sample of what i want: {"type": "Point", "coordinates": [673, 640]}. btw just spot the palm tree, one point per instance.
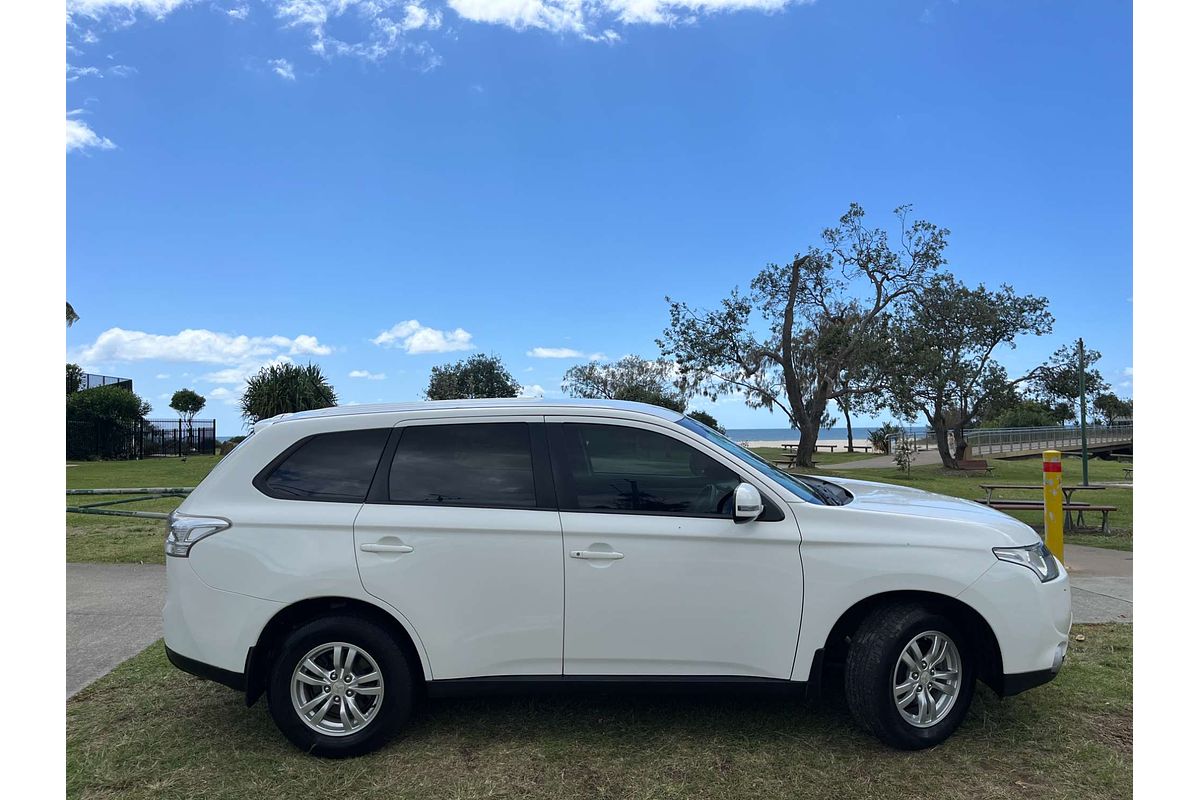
{"type": "Point", "coordinates": [72, 317]}
{"type": "Point", "coordinates": [284, 389]}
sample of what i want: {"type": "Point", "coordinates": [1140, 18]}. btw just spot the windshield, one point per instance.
{"type": "Point", "coordinates": [810, 490]}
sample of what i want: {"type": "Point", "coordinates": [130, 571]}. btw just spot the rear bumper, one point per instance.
{"type": "Point", "coordinates": [234, 680]}
{"type": "Point", "coordinates": [1023, 681]}
{"type": "Point", "coordinates": [210, 626]}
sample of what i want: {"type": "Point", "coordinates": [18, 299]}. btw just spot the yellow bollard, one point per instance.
{"type": "Point", "coordinates": [1052, 517]}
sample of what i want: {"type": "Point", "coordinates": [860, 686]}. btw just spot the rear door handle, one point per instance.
{"type": "Point", "coordinates": [385, 548]}
{"type": "Point", "coordinates": [597, 555]}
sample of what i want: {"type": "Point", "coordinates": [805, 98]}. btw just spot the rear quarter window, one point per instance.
{"type": "Point", "coordinates": [328, 467]}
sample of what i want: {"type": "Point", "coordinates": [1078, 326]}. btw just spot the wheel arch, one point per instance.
{"type": "Point", "coordinates": [983, 641]}
{"type": "Point", "coordinates": [288, 619]}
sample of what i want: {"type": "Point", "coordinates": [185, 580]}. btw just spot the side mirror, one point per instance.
{"type": "Point", "coordinates": [747, 503]}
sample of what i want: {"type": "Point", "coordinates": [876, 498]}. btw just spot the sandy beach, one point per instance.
{"type": "Point", "coordinates": [823, 445]}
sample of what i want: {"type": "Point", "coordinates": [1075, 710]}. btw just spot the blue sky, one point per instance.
{"type": "Point", "coordinates": [402, 184]}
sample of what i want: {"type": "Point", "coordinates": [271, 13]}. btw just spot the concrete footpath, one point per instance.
{"type": "Point", "coordinates": [1101, 583]}
{"type": "Point", "coordinates": [113, 612]}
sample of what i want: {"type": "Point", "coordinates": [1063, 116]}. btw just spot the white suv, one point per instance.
{"type": "Point", "coordinates": [349, 560]}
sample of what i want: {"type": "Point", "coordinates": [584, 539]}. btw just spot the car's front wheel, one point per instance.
{"type": "Point", "coordinates": [340, 687]}
{"type": "Point", "coordinates": [910, 676]}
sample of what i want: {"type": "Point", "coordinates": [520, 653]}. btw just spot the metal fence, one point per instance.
{"type": "Point", "coordinates": [985, 441]}
{"type": "Point", "coordinates": [144, 438]}
{"type": "Point", "coordinates": [90, 380]}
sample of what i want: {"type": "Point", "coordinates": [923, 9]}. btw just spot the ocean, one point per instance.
{"type": "Point", "coordinates": [788, 435]}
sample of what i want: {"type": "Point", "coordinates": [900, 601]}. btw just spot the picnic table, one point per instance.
{"type": "Point", "coordinates": [1068, 508]}
{"type": "Point", "coordinates": [1067, 490]}
{"type": "Point", "coordinates": [1033, 505]}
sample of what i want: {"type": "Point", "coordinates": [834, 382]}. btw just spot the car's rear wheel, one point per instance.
{"type": "Point", "coordinates": [340, 687]}
{"type": "Point", "coordinates": [910, 676]}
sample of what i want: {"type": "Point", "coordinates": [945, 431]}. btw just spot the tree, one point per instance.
{"type": "Point", "coordinates": [704, 418]}
{"type": "Point", "coordinates": [187, 404]}
{"type": "Point", "coordinates": [632, 378]}
{"type": "Point", "coordinates": [827, 318]}
{"type": "Point", "coordinates": [74, 378]}
{"type": "Point", "coordinates": [1112, 408]}
{"type": "Point", "coordinates": [72, 317]}
{"type": "Point", "coordinates": [945, 342]}
{"type": "Point", "coordinates": [1026, 413]}
{"type": "Point", "coordinates": [474, 377]}
{"type": "Point", "coordinates": [106, 403]}
{"type": "Point", "coordinates": [1058, 381]}
{"type": "Point", "coordinates": [285, 388]}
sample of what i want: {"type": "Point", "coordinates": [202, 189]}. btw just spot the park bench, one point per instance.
{"type": "Point", "coordinates": [975, 466]}
{"type": "Point", "coordinates": [1068, 509]}
{"type": "Point", "coordinates": [1128, 473]}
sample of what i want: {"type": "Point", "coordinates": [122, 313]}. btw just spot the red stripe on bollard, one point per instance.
{"type": "Point", "coordinates": [1048, 466]}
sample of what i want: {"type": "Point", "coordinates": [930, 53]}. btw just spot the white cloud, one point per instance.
{"type": "Point", "coordinates": [371, 376]}
{"type": "Point", "coordinates": [1127, 372]}
{"type": "Point", "coordinates": [195, 345]}
{"type": "Point", "coordinates": [379, 25]}
{"type": "Point", "coordinates": [533, 390]}
{"type": "Point", "coordinates": [242, 372]}
{"type": "Point", "coordinates": [122, 70]}
{"type": "Point", "coordinates": [80, 136]}
{"type": "Point", "coordinates": [162, 376]}
{"type": "Point", "coordinates": [592, 19]}
{"type": "Point", "coordinates": [74, 73]}
{"type": "Point", "coordinates": [414, 338]}
{"type": "Point", "coordinates": [375, 29]}
{"type": "Point", "coordinates": [563, 352]}
{"type": "Point", "coordinates": [553, 352]}
{"type": "Point", "coordinates": [97, 9]}
{"type": "Point", "coordinates": [283, 68]}
{"type": "Point", "coordinates": [225, 395]}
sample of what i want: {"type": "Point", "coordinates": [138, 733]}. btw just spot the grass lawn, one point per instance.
{"type": "Point", "coordinates": [115, 539]}
{"type": "Point", "coordinates": [127, 539]}
{"type": "Point", "coordinates": [1029, 471]}
{"type": "Point", "coordinates": [149, 731]}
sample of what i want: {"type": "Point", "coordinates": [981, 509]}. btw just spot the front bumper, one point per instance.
{"type": "Point", "coordinates": [1030, 619]}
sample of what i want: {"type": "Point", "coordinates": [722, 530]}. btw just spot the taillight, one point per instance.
{"type": "Point", "coordinates": [184, 531]}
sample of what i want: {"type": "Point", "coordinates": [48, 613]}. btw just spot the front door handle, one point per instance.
{"type": "Point", "coordinates": [385, 548]}
{"type": "Point", "coordinates": [597, 555]}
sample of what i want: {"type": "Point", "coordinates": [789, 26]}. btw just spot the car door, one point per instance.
{"type": "Point", "coordinates": [461, 535]}
{"type": "Point", "coordinates": [660, 580]}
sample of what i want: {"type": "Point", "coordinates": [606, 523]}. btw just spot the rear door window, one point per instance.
{"type": "Point", "coordinates": [488, 464]}
{"type": "Point", "coordinates": [331, 467]}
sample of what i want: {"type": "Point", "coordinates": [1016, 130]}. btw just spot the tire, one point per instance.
{"type": "Point", "coordinates": [873, 672]}
{"type": "Point", "coordinates": [384, 703]}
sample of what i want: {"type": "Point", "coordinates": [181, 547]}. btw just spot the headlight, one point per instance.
{"type": "Point", "coordinates": [183, 532]}
{"type": "Point", "coordinates": [1036, 556]}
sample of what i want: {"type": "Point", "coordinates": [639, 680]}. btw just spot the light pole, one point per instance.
{"type": "Point", "coordinates": [1083, 412]}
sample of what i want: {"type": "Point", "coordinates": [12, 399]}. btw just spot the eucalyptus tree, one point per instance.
{"type": "Point", "coordinates": [944, 366]}
{"type": "Point", "coordinates": [475, 377]}
{"type": "Point", "coordinates": [811, 331]}
{"type": "Point", "coordinates": [1058, 382]}
{"type": "Point", "coordinates": [631, 378]}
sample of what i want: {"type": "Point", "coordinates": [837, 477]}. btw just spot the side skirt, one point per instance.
{"type": "Point", "coordinates": [537, 684]}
